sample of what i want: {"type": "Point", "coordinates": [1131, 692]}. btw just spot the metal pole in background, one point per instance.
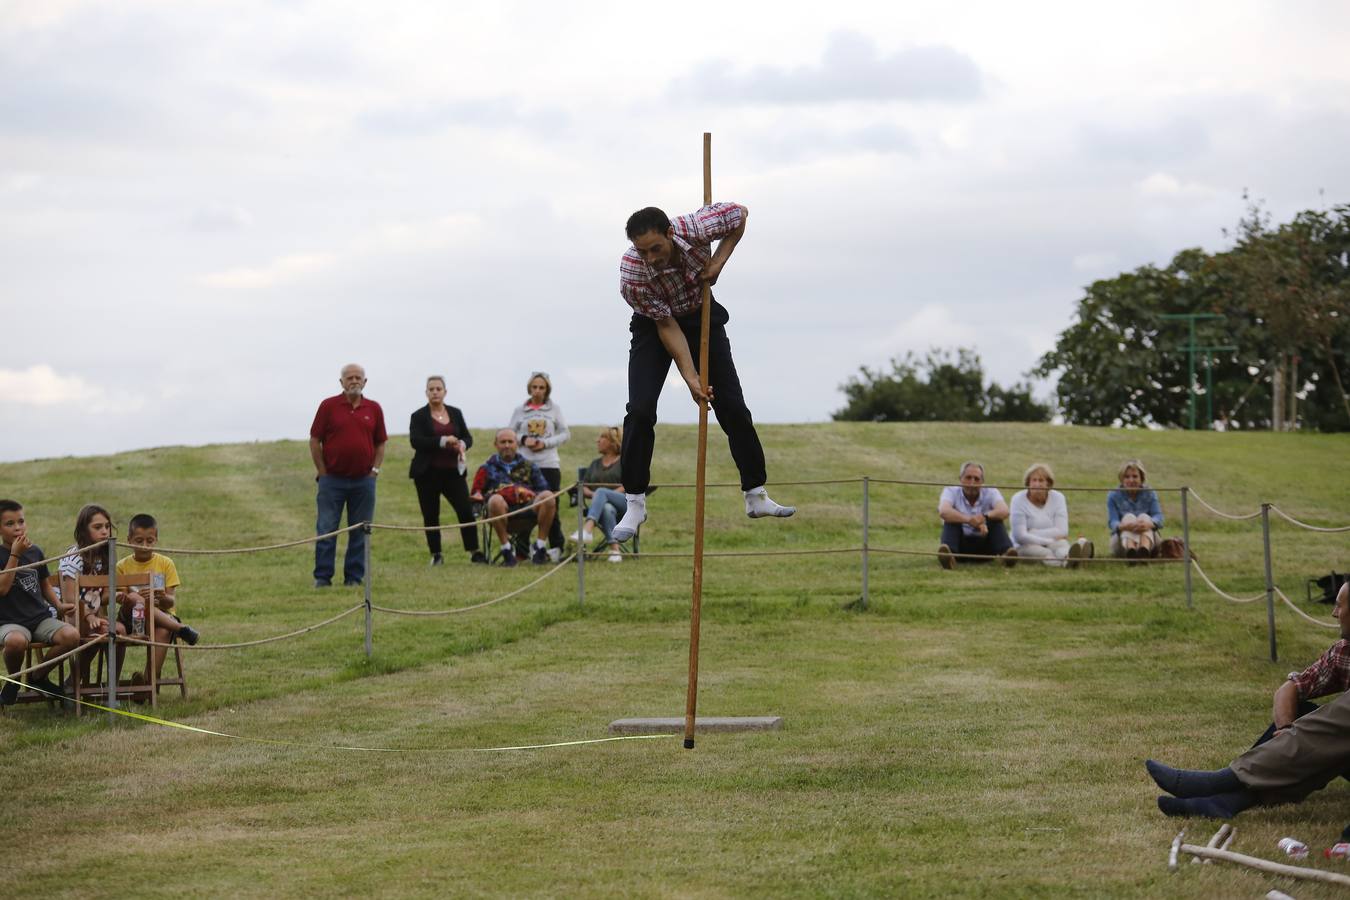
{"type": "Point", "coordinates": [1186, 542]}
{"type": "Point", "coordinates": [112, 628]}
{"type": "Point", "coordinates": [581, 537]}
{"type": "Point", "coordinates": [365, 555]}
{"type": "Point", "coordinates": [866, 485]}
{"type": "Point", "coordinates": [1270, 580]}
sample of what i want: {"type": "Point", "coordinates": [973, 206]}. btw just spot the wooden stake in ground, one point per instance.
{"type": "Point", "coordinates": [700, 477]}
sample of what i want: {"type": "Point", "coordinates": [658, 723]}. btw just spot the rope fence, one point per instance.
{"type": "Point", "coordinates": [582, 554]}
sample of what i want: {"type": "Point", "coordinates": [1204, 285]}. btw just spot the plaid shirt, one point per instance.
{"type": "Point", "coordinates": [1331, 673]}
{"type": "Point", "coordinates": [675, 290]}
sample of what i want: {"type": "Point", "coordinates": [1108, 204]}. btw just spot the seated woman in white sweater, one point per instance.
{"type": "Point", "coordinates": [1040, 521]}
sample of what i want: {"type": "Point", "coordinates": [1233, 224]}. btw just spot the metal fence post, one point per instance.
{"type": "Point", "coordinates": [365, 559]}
{"type": "Point", "coordinates": [1186, 542]}
{"type": "Point", "coordinates": [1270, 580]}
{"type": "Point", "coordinates": [112, 629]}
{"type": "Point", "coordinates": [581, 537]}
{"type": "Point", "coordinates": [865, 517]}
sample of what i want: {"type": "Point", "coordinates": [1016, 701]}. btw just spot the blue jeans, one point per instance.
{"type": "Point", "coordinates": [358, 495]}
{"type": "Point", "coordinates": [607, 507]}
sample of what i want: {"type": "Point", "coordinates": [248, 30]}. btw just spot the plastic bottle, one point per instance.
{"type": "Point", "coordinates": [1293, 848]}
{"type": "Point", "coordinates": [138, 627]}
{"type": "Point", "coordinates": [1339, 851]}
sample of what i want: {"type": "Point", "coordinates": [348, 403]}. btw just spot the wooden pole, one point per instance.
{"type": "Point", "coordinates": [1266, 865]}
{"type": "Point", "coordinates": [700, 477]}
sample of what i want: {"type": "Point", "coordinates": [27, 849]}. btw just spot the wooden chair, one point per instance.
{"type": "Point", "coordinates": [97, 689]}
{"type": "Point", "coordinates": [33, 656]}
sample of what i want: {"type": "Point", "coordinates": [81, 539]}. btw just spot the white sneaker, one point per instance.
{"type": "Point", "coordinates": [554, 554]}
{"type": "Point", "coordinates": [632, 519]}
{"type": "Point", "coordinates": [581, 537]}
{"type": "Point", "coordinates": [759, 506]}
{"type": "Point", "coordinates": [616, 557]}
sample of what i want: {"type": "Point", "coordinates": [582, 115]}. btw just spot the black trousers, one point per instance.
{"type": "Point", "coordinates": [648, 364]}
{"type": "Point", "coordinates": [448, 483]}
{"type": "Point", "coordinates": [554, 479]}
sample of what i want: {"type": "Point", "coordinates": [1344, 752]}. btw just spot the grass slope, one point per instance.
{"type": "Point", "coordinates": [971, 734]}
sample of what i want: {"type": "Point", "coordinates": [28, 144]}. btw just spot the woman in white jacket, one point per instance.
{"type": "Point", "coordinates": [541, 429]}
{"type": "Point", "coordinates": [1040, 521]}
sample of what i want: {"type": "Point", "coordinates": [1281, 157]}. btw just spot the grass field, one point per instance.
{"type": "Point", "coordinates": [972, 733]}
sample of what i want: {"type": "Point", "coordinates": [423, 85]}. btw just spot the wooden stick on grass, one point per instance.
{"type": "Point", "coordinates": [1266, 865]}
{"type": "Point", "coordinates": [700, 477]}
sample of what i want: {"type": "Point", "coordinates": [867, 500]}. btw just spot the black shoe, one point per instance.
{"type": "Point", "coordinates": [351, 582]}
{"type": "Point", "coordinates": [437, 559]}
{"type": "Point", "coordinates": [508, 557]}
{"type": "Point", "coordinates": [189, 635]}
{"type": "Point", "coordinates": [9, 693]}
{"type": "Point", "coordinates": [322, 583]}
{"type": "Point", "coordinates": [478, 558]}
{"type": "Point", "coordinates": [46, 686]}
{"type": "Point", "coordinates": [540, 556]}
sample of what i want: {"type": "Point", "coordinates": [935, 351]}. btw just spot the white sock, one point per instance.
{"type": "Point", "coordinates": [541, 543]}
{"type": "Point", "coordinates": [758, 505]}
{"type": "Point", "coordinates": [633, 517]}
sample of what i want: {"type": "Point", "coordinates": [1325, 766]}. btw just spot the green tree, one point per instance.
{"type": "Point", "coordinates": [938, 387]}
{"type": "Point", "coordinates": [1283, 293]}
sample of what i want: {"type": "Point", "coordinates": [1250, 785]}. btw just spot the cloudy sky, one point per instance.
{"type": "Point", "coordinates": [206, 208]}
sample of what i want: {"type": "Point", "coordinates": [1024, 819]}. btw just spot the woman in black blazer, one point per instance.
{"type": "Point", "coordinates": [440, 440]}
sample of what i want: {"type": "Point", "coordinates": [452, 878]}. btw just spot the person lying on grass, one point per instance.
{"type": "Point", "coordinates": [29, 608]}
{"type": "Point", "coordinates": [1302, 751]}
{"type": "Point", "coordinates": [159, 598]}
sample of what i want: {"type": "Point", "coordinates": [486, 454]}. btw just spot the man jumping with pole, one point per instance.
{"type": "Point", "coordinates": [662, 277]}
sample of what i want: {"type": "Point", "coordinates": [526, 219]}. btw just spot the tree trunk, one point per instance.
{"type": "Point", "coordinates": [1291, 411]}
{"type": "Point", "coordinates": [1336, 372]}
{"type": "Point", "coordinates": [1277, 395]}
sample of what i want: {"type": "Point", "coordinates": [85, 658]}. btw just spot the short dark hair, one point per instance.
{"type": "Point", "coordinates": [10, 506]}
{"type": "Point", "coordinates": [141, 520]}
{"type": "Point", "coordinates": [647, 219]}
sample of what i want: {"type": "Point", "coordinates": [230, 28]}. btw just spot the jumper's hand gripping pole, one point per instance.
{"type": "Point", "coordinates": [700, 477]}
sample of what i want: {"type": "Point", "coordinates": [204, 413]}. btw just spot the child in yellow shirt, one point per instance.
{"type": "Point", "coordinates": [143, 535]}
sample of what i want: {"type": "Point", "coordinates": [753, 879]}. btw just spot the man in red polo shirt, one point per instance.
{"type": "Point", "coordinates": [346, 443]}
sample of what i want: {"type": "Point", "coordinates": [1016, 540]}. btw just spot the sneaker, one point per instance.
{"type": "Point", "coordinates": [1075, 555]}
{"type": "Point", "coordinates": [945, 557]}
{"type": "Point", "coordinates": [581, 538]}
{"type": "Point", "coordinates": [477, 558]}
{"type": "Point", "coordinates": [508, 557]}
{"type": "Point", "coordinates": [615, 558]}
{"type": "Point", "coordinates": [632, 519]}
{"type": "Point", "coordinates": [1009, 557]}
{"type": "Point", "coordinates": [437, 559]}
{"type": "Point", "coordinates": [540, 556]}
{"type": "Point", "coordinates": [759, 506]}
{"type": "Point", "coordinates": [351, 582]}
{"type": "Point", "coordinates": [189, 635]}
{"type": "Point", "coordinates": [322, 583]}
{"type": "Point", "coordinates": [554, 554]}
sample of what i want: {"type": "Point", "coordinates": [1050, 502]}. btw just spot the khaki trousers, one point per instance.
{"type": "Point", "coordinates": [1305, 758]}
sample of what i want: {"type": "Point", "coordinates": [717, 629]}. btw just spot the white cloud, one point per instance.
{"type": "Point", "coordinates": [280, 271]}
{"type": "Point", "coordinates": [41, 385]}
{"type": "Point", "coordinates": [932, 326]}
{"type": "Point", "coordinates": [1161, 184]}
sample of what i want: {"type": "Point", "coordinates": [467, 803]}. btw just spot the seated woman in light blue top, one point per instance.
{"type": "Point", "coordinates": [1133, 514]}
{"type": "Point", "coordinates": [607, 504]}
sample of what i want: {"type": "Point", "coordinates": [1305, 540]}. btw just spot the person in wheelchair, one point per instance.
{"type": "Point", "coordinates": [508, 482]}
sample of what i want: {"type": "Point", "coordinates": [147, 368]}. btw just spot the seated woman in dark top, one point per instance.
{"type": "Point", "coordinates": [440, 439]}
{"type": "Point", "coordinates": [607, 504]}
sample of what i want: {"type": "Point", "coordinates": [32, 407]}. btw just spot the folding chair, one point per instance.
{"type": "Point", "coordinates": [632, 546]}
{"type": "Point", "coordinates": [518, 528]}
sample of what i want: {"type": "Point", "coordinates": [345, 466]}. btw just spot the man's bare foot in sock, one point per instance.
{"type": "Point", "coordinates": [758, 505]}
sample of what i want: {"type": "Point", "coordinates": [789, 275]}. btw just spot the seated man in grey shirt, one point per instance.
{"type": "Point", "coordinates": [974, 521]}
